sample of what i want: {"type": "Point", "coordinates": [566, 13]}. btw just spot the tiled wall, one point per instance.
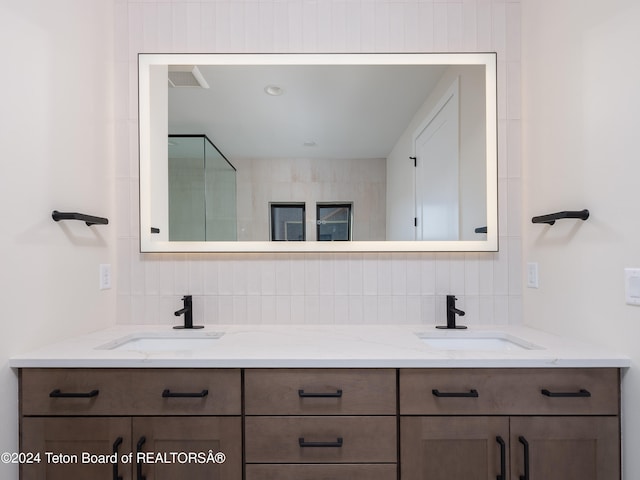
{"type": "Point", "coordinates": [325, 288]}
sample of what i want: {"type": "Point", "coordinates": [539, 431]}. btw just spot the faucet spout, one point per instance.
{"type": "Point", "coordinates": [187, 311]}
{"type": "Point", "coordinates": [452, 311]}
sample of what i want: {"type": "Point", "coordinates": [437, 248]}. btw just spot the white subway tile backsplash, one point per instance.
{"type": "Point", "coordinates": [471, 274]}
{"type": "Point", "coordinates": [360, 288]}
{"type": "Point", "coordinates": [413, 274]}
{"type": "Point", "coordinates": [399, 274]}
{"type": "Point", "coordinates": [283, 312]}
{"type": "Point", "coordinates": [513, 90]}
{"type": "Point", "coordinates": [501, 269]}
{"type": "Point", "coordinates": [413, 309]}
{"type": "Point", "coordinates": [499, 28]}
{"type": "Point", "coordinates": [513, 32]}
{"type": "Point", "coordinates": [513, 151]}
{"type": "Point", "coordinates": [312, 306]}
{"type": "Point", "coordinates": [427, 274]}
{"type": "Point", "coordinates": [457, 279]}
{"type": "Point", "coordinates": [514, 208]}
{"type": "Point", "coordinates": [443, 274]}
{"type": "Point", "coordinates": [197, 267]}
{"type": "Point", "coordinates": [384, 274]}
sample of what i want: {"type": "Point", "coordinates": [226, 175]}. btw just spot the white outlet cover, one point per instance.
{"type": "Point", "coordinates": [632, 285]}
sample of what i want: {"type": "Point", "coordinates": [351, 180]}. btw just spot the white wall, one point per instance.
{"type": "Point", "coordinates": [56, 137]}
{"type": "Point", "coordinates": [355, 288]}
{"type": "Point", "coordinates": [581, 111]}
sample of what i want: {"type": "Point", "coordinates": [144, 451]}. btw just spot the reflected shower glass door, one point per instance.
{"type": "Point", "coordinates": [202, 191]}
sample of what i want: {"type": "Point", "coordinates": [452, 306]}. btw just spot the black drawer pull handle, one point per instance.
{"type": "Point", "coordinates": [337, 443]}
{"type": "Point", "coordinates": [580, 394]}
{"type": "Point", "coordinates": [503, 459]}
{"type": "Point", "coordinates": [58, 394]}
{"type": "Point", "coordinates": [473, 393]}
{"type": "Point", "coordinates": [336, 394]}
{"type": "Point", "coordinates": [139, 475]}
{"type": "Point", "coordinates": [524, 442]}
{"type": "Point", "coordinates": [169, 394]}
{"type": "Point", "coordinates": [116, 444]}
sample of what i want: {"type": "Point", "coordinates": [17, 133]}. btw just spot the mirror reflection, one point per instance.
{"type": "Point", "coordinates": [202, 191]}
{"type": "Point", "coordinates": [384, 152]}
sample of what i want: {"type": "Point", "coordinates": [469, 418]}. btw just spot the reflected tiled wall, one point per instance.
{"type": "Point", "coordinates": [319, 288]}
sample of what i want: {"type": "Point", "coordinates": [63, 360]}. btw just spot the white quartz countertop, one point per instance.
{"type": "Point", "coordinates": [314, 346]}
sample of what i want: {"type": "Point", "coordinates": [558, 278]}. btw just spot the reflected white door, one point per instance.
{"type": "Point", "coordinates": [437, 179]}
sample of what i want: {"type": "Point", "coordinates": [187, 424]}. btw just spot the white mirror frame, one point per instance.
{"type": "Point", "coordinates": [148, 244]}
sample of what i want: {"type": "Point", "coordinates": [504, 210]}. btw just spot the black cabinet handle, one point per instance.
{"type": "Point", "coordinates": [59, 394]}
{"type": "Point", "coordinates": [524, 442]}
{"type": "Point", "coordinates": [337, 443]}
{"type": "Point", "coordinates": [116, 444]}
{"type": "Point", "coordinates": [582, 393]}
{"type": "Point", "coordinates": [139, 475]}
{"type": "Point", "coordinates": [336, 394]}
{"type": "Point", "coordinates": [169, 394]}
{"type": "Point", "coordinates": [503, 459]}
{"type": "Point", "coordinates": [473, 393]}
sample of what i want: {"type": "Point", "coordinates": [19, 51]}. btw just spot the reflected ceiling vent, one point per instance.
{"type": "Point", "coordinates": [186, 76]}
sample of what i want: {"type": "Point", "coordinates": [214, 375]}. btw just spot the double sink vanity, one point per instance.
{"type": "Point", "coordinates": [320, 402]}
{"type": "Point", "coordinates": [323, 402]}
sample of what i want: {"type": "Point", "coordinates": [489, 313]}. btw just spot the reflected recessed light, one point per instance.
{"type": "Point", "coordinates": [273, 90]}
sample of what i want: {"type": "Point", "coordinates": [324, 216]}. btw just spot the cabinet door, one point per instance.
{"type": "Point", "coordinates": [168, 441]}
{"type": "Point", "coordinates": [561, 448]}
{"type": "Point", "coordinates": [445, 448]}
{"type": "Point", "coordinates": [62, 442]}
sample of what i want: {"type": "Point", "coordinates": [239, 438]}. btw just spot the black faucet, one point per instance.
{"type": "Point", "coordinates": [187, 310]}
{"type": "Point", "coordinates": [452, 311]}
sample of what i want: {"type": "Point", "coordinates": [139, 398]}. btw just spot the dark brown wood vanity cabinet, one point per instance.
{"type": "Point", "coordinates": [168, 420]}
{"type": "Point", "coordinates": [509, 424]}
{"type": "Point", "coordinates": [322, 424]}
{"type": "Point", "coordinates": [312, 424]}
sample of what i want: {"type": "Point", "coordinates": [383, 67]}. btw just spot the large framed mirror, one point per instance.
{"type": "Point", "coordinates": [405, 144]}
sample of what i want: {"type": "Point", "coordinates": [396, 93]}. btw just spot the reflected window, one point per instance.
{"type": "Point", "coordinates": [333, 222]}
{"type": "Point", "coordinates": [287, 222]}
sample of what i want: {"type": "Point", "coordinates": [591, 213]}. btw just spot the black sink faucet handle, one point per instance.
{"type": "Point", "coordinates": [452, 311]}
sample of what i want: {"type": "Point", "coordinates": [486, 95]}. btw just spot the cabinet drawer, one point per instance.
{"type": "Point", "coordinates": [580, 391]}
{"type": "Point", "coordinates": [320, 392]}
{"type": "Point", "coordinates": [130, 392]}
{"type": "Point", "coordinates": [74, 391]}
{"type": "Point", "coordinates": [320, 439]}
{"type": "Point", "coordinates": [322, 472]}
{"type": "Point", "coordinates": [186, 392]}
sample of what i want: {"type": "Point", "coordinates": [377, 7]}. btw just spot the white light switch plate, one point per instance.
{"type": "Point", "coordinates": [105, 276]}
{"type": "Point", "coordinates": [532, 275]}
{"type": "Point", "coordinates": [632, 285]}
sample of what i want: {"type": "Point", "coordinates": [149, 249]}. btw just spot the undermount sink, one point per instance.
{"type": "Point", "coordinates": [163, 342]}
{"type": "Point", "coordinates": [484, 341]}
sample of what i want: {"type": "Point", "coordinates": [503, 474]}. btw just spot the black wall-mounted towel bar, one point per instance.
{"type": "Point", "coordinates": [88, 219]}
{"type": "Point", "coordinates": [552, 217]}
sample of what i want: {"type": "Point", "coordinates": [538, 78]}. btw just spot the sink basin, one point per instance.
{"type": "Point", "coordinates": [163, 342]}
{"type": "Point", "coordinates": [484, 341]}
